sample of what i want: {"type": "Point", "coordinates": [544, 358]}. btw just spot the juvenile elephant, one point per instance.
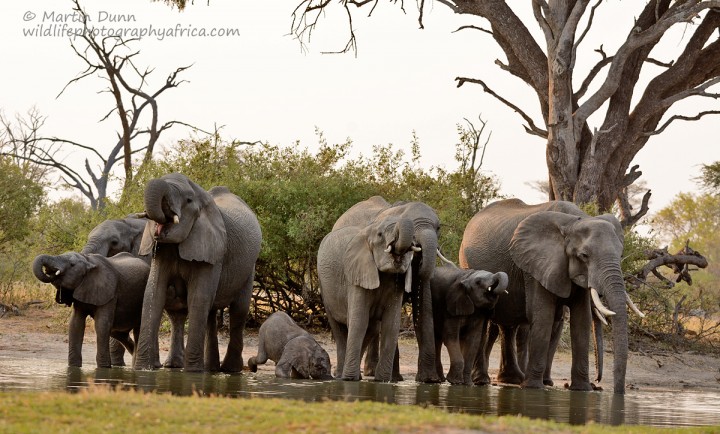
{"type": "Point", "coordinates": [555, 255]}
{"type": "Point", "coordinates": [426, 226]}
{"type": "Point", "coordinates": [125, 235]}
{"type": "Point", "coordinates": [462, 303]}
{"type": "Point", "coordinates": [363, 272]}
{"type": "Point", "coordinates": [110, 290]}
{"type": "Point", "coordinates": [295, 352]}
{"type": "Point", "coordinates": [204, 245]}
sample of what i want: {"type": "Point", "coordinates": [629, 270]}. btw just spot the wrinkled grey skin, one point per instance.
{"type": "Point", "coordinates": [125, 235]}
{"type": "Point", "coordinates": [295, 352]}
{"type": "Point", "coordinates": [552, 258]}
{"type": "Point", "coordinates": [462, 302]}
{"type": "Point", "coordinates": [208, 256]}
{"type": "Point", "coordinates": [426, 227]}
{"type": "Point", "coordinates": [362, 285]}
{"type": "Point", "coordinates": [110, 290]}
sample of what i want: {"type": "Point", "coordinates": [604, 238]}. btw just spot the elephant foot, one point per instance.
{"type": "Point", "coordinates": [481, 380]}
{"type": "Point", "coordinates": [232, 367]}
{"type": "Point", "coordinates": [581, 386]}
{"type": "Point", "coordinates": [548, 382]}
{"type": "Point", "coordinates": [174, 362]}
{"type": "Point", "coordinates": [427, 377]}
{"type": "Point", "coordinates": [369, 371]}
{"type": "Point", "coordinates": [120, 362]}
{"type": "Point", "coordinates": [455, 378]}
{"type": "Point", "coordinates": [511, 378]}
{"type": "Point", "coordinates": [397, 377]}
{"type": "Point", "coordinates": [532, 384]}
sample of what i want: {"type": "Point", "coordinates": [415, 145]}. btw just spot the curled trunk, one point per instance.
{"type": "Point", "coordinates": [403, 236]}
{"type": "Point", "coordinates": [155, 193]}
{"type": "Point", "coordinates": [43, 263]}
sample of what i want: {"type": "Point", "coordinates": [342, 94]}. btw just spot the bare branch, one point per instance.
{"type": "Point", "coordinates": [681, 118]}
{"type": "Point", "coordinates": [489, 32]}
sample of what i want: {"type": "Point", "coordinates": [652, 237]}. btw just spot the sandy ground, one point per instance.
{"type": "Point", "coordinates": [37, 335]}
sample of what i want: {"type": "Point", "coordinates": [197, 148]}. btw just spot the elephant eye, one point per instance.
{"type": "Point", "coordinates": [583, 256]}
{"type": "Point", "coordinates": [114, 242]}
{"type": "Point", "coordinates": [189, 200]}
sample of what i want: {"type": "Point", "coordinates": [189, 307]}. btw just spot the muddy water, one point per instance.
{"type": "Point", "coordinates": [636, 407]}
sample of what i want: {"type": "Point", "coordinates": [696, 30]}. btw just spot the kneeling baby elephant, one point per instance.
{"type": "Point", "coordinates": [462, 302]}
{"type": "Point", "coordinates": [110, 290]}
{"type": "Point", "coordinates": [294, 351]}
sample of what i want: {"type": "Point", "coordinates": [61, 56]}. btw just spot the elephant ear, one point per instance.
{"type": "Point", "coordinates": [538, 248]}
{"type": "Point", "coordinates": [207, 240]}
{"type": "Point", "coordinates": [100, 282]}
{"type": "Point", "coordinates": [359, 264]}
{"type": "Point", "coordinates": [457, 301]}
{"type": "Point", "coordinates": [616, 225]}
{"type": "Point", "coordinates": [148, 239]}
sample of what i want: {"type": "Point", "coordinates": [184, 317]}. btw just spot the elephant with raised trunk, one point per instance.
{"type": "Point", "coordinates": [205, 245]}
{"type": "Point", "coordinates": [295, 352]}
{"type": "Point", "coordinates": [463, 300]}
{"type": "Point", "coordinates": [125, 235]}
{"type": "Point", "coordinates": [555, 255]}
{"type": "Point", "coordinates": [110, 290]}
{"type": "Point", "coordinates": [363, 273]}
{"type": "Point", "coordinates": [426, 227]}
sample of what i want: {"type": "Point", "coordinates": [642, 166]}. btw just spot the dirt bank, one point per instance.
{"type": "Point", "coordinates": [37, 334]}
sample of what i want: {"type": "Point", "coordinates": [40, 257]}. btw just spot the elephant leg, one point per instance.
{"type": "Point", "coordinates": [123, 340]}
{"type": "Point", "coordinates": [451, 338]}
{"type": "Point", "coordinates": [340, 336]}
{"type": "Point", "coordinates": [359, 302]}
{"type": "Point", "coordinates": [580, 323]}
{"type": "Point", "coordinates": [390, 330]}
{"type": "Point", "coordinates": [117, 352]}
{"type": "Point", "coordinates": [260, 359]}
{"type": "Point", "coordinates": [522, 340]}
{"type": "Point", "coordinates": [177, 339]}
{"type": "Point", "coordinates": [238, 312]}
{"type": "Point", "coordinates": [510, 371]}
{"type": "Point", "coordinates": [481, 364]}
{"type": "Point", "coordinates": [102, 336]}
{"type": "Point", "coordinates": [201, 293]}
{"type": "Point", "coordinates": [212, 353]}
{"type": "Point", "coordinates": [554, 342]}
{"type": "Point", "coordinates": [371, 356]}
{"type": "Point", "coordinates": [396, 365]}
{"type": "Point", "coordinates": [542, 317]}
{"type": "Point", "coordinates": [76, 333]}
{"type": "Point", "coordinates": [438, 357]}
{"type": "Point", "coordinates": [471, 344]}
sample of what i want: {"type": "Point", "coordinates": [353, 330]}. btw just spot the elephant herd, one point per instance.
{"type": "Point", "coordinates": [193, 252]}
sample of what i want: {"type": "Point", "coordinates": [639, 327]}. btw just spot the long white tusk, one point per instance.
{"type": "Point", "coordinates": [598, 304]}
{"type": "Point", "coordinates": [176, 219]}
{"type": "Point", "coordinates": [388, 249]}
{"type": "Point", "coordinates": [445, 260]}
{"type": "Point", "coordinates": [57, 273]}
{"type": "Point", "coordinates": [599, 316]}
{"type": "Point", "coordinates": [408, 276]}
{"type": "Point", "coordinates": [632, 306]}
{"type": "Point", "coordinates": [416, 249]}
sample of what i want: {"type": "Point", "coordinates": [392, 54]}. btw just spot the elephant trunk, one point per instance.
{"type": "Point", "coordinates": [599, 348]}
{"type": "Point", "coordinates": [93, 246]}
{"type": "Point", "coordinates": [43, 263]}
{"type": "Point", "coordinates": [156, 201]}
{"type": "Point", "coordinates": [614, 292]}
{"type": "Point", "coordinates": [403, 236]}
{"type": "Point", "coordinates": [500, 282]}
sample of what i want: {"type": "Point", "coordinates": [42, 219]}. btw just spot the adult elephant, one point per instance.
{"type": "Point", "coordinates": [363, 273]}
{"type": "Point", "coordinates": [426, 226]}
{"type": "Point", "coordinates": [125, 235]}
{"type": "Point", "coordinates": [205, 243]}
{"type": "Point", "coordinates": [554, 255]}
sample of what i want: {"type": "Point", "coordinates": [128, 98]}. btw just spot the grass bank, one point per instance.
{"type": "Point", "coordinates": [99, 410]}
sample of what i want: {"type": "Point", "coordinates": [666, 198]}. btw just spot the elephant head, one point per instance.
{"type": "Point", "coordinates": [317, 363]}
{"type": "Point", "coordinates": [385, 246]}
{"type": "Point", "coordinates": [560, 250]}
{"type": "Point", "coordinates": [181, 212]}
{"type": "Point", "coordinates": [115, 236]}
{"type": "Point", "coordinates": [475, 290]}
{"type": "Point", "coordinates": [76, 278]}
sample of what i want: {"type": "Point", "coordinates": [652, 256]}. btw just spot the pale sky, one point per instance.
{"type": "Point", "coordinates": [262, 86]}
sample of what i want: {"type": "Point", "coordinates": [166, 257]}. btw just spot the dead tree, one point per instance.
{"type": "Point", "coordinates": [586, 164]}
{"type": "Point", "coordinates": [113, 59]}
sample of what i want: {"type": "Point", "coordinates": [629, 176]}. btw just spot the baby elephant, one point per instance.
{"type": "Point", "coordinates": [110, 290]}
{"type": "Point", "coordinates": [462, 302]}
{"type": "Point", "coordinates": [295, 352]}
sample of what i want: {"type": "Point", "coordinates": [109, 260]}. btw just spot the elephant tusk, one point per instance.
{"type": "Point", "coordinates": [176, 219]}
{"type": "Point", "coordinates": [598, 304]}
{"type": "Point", "coordinates": [416, 249]}
{"type": "Point", "coordinates": [388, 249]}
{"type": "Point", "coordinates": [599, 316]}
{"type": "Point", "coordinates": [632, 306]}
{"type": "Point", "coordinates": [408, 276]}
{"type": "Point", "coordinates": [58, 272]}
{"type": "Point", "coordinates": [445, 260]}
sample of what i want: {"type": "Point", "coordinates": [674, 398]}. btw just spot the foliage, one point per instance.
{"type": "Point", "coordinates": [20, 196]}
{"type": "Point", "coordinates": [683, 310]}
{"type": "Point", "coordinates": [710, 177]}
